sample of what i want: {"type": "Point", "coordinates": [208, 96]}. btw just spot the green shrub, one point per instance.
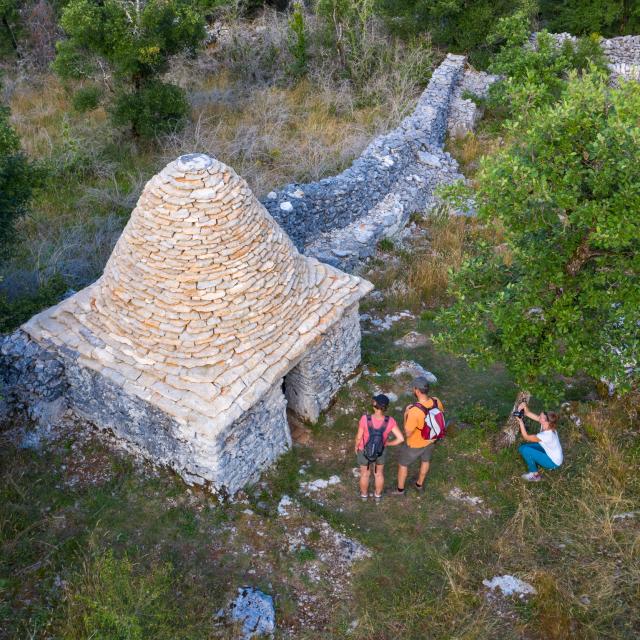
{"type": "Point", "coordinates": [298, 43]}
{"type": "Point", "coordinates": [534, 77]}
{"type": "Point", "coordinates": [608, 17]}
{"type": "Point", "coordinates": [87, 98]}
{"type": "Point", "coordinates": [135, 41]}
{"type": "Point", "coordinates": [157, 108]}
{"type": "Point", "coordinates": [17, 177]}
{"type": "Point", "coordinates": [456, 25]}
{"type": "Point", "coordinates": [18, 310]}
{"type": "Point", "coordinates": [561, 297]}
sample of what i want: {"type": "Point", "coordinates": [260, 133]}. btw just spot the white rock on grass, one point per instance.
{"type": "Point", "coordinates": [510, 586]}
{"type": "Point", "coordinates": [320, 483]}
{"type": "Point", "coordinates": [384, 324]}
{"type": "Point", "coordinates": [626, 516]}
{"type": "Point", "coordinates": [412, 340]}
{"type": "Point", "coordinates": [285, 502]}
{"type": "Point", "coordinates": [413, 369]}
{"type": "Point", "coordinates": [393, 397]}
{"type": "Point", "coordinates": [457, 494]}
{"type": "Point", "coordinates": [473, 501]}
{"type": "Point", "coordinates": [255, 610]}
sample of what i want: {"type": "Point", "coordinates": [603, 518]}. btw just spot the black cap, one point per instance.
{"type": "Point", "coordinates": [381, 400]}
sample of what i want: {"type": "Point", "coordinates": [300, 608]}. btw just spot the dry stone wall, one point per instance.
{"type": "Point", "coordinates": [310, 386]}
{"type": "Point", "coordinates": [623, 53]}
{"type": "Point", "coordinates": [340, 219]}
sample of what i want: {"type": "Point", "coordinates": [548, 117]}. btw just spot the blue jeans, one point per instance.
{"type": "Point", "coordinates": [534, 455]}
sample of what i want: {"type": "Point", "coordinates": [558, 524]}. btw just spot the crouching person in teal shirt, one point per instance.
{"type": "Point", "coordinates": [542, 450]}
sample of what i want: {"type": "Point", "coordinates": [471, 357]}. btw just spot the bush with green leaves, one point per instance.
{"type": "Point", "coordinates": [87, 98]}
{"type": "Point", "coordinates": [298, 42]}
{"type": "Point", "coordinates": [606, 17]}
{"type": "Point", "coordinates": [17, 177]}
{"type": "Point", "coordinates": [534, 77]}
{"type": "Point", "coordinates": [459, 26]}
{"type": "Point", "coordinates": [156, 108]}
{"type": "Point", "coordinates": [561, 295]}
{"type": "Point", "coordinates": [128, 44]}
{"type": "Point", "coordinates": [10, 26]}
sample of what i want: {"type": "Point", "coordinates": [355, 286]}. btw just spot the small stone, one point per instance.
{"type": "Point", "coordinates": [413, 369]}
{"type": "Point", "coordinates": [510, 585]}
{"type": "Point", "coordinates": [285, 502]}
{"type": "Point", "coordinates": [412, 340]}
{"type": "Point", "coordinates": [429, 159]}
{"type": "Point", "coordinates": [286, 206]}
{"type": "Point", "coordinates": [255, 610]}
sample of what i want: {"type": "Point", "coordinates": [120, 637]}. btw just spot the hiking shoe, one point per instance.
{"type": "Point", "coordinates": [364, 498]}
{"type": "Point", "coordinates": [532, 476]}
{"type": "Point", "coordinates": [396, 492]}
{"type": "Point", "coordinates": [419, 487]}
{"type": "Point", "coordinates": [377, 498]}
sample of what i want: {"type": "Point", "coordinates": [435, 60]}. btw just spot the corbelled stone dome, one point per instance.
{"type": "Point", "coordinates": [204, 303]}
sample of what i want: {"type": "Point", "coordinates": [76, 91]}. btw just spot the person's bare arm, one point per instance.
{"type": "Point", "coordinates": [529, 414]}
{"type": "Point", "coordinates": [398, 438]}
{"type": "Point", "coordinates": [359, 437]}
{"type": "Point", "coordinates": [524, 434]}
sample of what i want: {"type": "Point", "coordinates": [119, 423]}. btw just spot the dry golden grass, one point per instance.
{"type": "Point", "coordinates": [419, 275]}
{"type": "Point", "coordinates": [275, 135]}
{"type": "Point", "coordinates": [469, 149]}
{"type": "Point", "coordinates": [42, 114]}
{"type": "Point", "coordinates": [583, 560]}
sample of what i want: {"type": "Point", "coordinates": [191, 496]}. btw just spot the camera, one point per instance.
{"type": "Point", "coordinates": [518, 414]}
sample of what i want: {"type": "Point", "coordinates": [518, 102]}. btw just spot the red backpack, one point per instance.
{"type": "Point", "coordinates": [434, 427]}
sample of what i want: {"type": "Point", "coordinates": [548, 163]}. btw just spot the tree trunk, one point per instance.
{"type": "Point", "coordinates": [507, 436]}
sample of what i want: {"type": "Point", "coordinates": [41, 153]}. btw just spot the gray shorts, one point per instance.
{"type": "Point", "coordinates": [411, 454]}
{"type": "Point", "coordinates": [363, 462]}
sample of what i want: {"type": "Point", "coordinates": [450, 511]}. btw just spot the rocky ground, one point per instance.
{"type": "Point", "coordinates": [85, 529]}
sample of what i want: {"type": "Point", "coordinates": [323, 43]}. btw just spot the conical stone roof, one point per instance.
{"type": "Point", "coordinates": [204, 303]}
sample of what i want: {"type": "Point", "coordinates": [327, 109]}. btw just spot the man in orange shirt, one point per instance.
{"type": "Point", "coordinates": [415, 446]}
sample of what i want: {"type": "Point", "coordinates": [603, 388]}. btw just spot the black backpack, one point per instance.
{"type": "Point", "coordinates": [375, 444]}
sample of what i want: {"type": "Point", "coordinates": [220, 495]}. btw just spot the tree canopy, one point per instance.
{"type": "Point", "coordinates": [129, 44]}
{"type": "Point", "coordinates": [560, 296]}
{"type": "Point", "coordinates": [16, 178]}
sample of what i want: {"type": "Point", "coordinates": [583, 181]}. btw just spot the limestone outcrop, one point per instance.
{"type": "Point", "coordinates": [203, 307]}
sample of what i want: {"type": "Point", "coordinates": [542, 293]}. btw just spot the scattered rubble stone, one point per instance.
{"type": "Point", "coordinates": [385, 323]}
{"type": "Point", "coordinates": [285, 502]}
{"type": "Point", "coordinates": [510, 585]}
{"type": "Point", "coordinates": [413, 369]}
{"type": "Point", "coordinates": [317, 485]}
{"type": "Point", "coordinates": [412, 340]}
{"type": "Point", "coordinates": [629, 515]}
{"type": "Point", "coordinates": [255, 610]}
{"type": "Point", "coordinates": [474, 501]}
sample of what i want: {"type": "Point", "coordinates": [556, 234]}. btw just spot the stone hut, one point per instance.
{"type": "Point", "coordinates": [204, 327]}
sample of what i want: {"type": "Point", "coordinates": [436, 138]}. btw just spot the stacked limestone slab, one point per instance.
{"type": "Point", "coordinates": [203, 307]}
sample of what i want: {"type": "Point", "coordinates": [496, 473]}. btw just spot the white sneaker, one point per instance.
{"type": "Point", "coordinates": [532, 476]}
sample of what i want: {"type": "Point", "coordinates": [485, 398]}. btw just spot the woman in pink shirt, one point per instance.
{"type": "Point", "coordinates": [376, 427]}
